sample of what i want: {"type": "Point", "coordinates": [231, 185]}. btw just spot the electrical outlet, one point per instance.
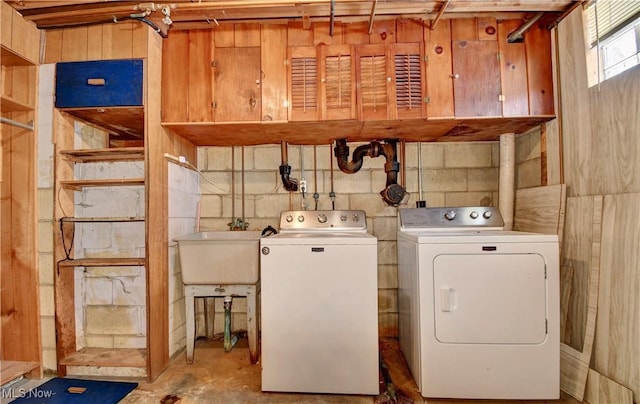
{"type": "Point", "coordinates": [303, 186]}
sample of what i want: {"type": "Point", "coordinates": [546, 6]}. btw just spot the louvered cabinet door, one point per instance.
{"type": "Point", "coordinates": [373, 82]}
{"type": "Point", "coordinates": [338, 90]}
{"type": "Point", "coordinates": [408, 80]}
{"type": "Point", "coordinates": [303, 80]}
{"type": "Point", "coordinates": [237, 84]}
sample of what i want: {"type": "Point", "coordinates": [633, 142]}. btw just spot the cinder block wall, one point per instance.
{"type": "Point", "coordinates": [528, 160]}
{"type": "Point", "coordinates": [453, 174]}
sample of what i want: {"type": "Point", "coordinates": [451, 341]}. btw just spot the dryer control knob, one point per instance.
{"type": "Point", "coordinates": [473, 215]}
{"type": "Point", "coordinates": [356, 217]}
{"type": "Point", "coordinates": [450, 215]}
{"type": "Point", "coordinates": [487, 214]}
{"type": "Point", "coordinates": [322, 218]}
{"type": "Point", "coordinates": [343, 218]}
{"type": "Point", "coordinates": [289, 218]}
{"type": "Point", "coordinates": [301, 218]}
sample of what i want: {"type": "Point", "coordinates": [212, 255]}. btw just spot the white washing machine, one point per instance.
{"type": "Point", "coordinates": [319, 304]}
{"type": "Point", "coordinates": [478, 306]}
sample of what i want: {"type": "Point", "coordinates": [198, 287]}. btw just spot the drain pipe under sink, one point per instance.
{"type": "Point", "coordinates": [229, 340]}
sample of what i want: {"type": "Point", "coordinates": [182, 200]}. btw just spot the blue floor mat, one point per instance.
{"type": "Point", "coordinates": [56, 391]}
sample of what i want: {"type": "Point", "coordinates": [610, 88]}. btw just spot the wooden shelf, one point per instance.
{"type": "Point", "coordinates": [101, 219]}
{"type": "Point", "coordinates": [104, 155]}
{"type": "Point", "coordinates": [102, 262]}
{"type": "Point", "coordinates": [12, 370]}
{"type": "Point", "coordinates": [78, 185]}
{"type": "Point", "coordinates": [126, 122]}
{"type": "Point", "coordinates": [326, 132]}
{"type": "Point", "coordinates": [9, 104]}
{"type": "Point", "coordinates": [10, 58]}
{"type": "Point", "coordinates": [109, 357]}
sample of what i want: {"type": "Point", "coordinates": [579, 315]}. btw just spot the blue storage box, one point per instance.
{"type": "Point", "coordinates": [104, 83]}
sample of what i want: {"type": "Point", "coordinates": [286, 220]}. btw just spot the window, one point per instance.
{"type": "Point", "coordinates": [614, 36]}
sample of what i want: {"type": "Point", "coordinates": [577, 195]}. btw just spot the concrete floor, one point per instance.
{"type": "Point", "coordinates": [219, 377]}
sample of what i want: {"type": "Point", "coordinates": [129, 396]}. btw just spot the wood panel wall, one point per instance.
{"type": "Point", "coordinates": [601, 145]}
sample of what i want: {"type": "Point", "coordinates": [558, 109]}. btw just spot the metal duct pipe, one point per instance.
{"type": "Point", "coordinates": [517, 35]}
{"type": "Point", "coordinates": [290, 184]}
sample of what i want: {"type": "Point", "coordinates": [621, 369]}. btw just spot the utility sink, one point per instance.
{"type": "Point", "coordinates": [220, 257]}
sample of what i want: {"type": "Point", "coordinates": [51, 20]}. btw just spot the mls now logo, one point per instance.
{"type": "Point", "coordinates": [11, 393]}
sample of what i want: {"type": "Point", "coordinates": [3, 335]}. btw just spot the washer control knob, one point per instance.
{"type": "Point", "coordinates": [289, 218]}
{"type": "Point", "coordinates": [356, 217]}
{"type": "Point", "coordinates": [450, 215]}
{"type": "Point", "coordinates": [487, 214]}
{"type": "Point", "coordinates": [473, 215]}
{"type": "Point", "coordinates": [322, 218]}
{"type": "Point", "coordinates": [301, 218]}
{"type": "Point", "coordinates": [343, 218]}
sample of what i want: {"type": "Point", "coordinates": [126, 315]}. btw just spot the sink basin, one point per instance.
{"type": "Point", "coordinates": [220, 257]}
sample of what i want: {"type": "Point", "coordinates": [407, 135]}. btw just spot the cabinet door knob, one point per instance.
{"type": "Point", "coordinates": [454, 76]}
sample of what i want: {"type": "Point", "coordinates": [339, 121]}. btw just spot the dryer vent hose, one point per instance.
{"type": "Point", "coordinates": [290, 184]}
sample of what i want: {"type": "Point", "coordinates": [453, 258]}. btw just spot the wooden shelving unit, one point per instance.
{"type": "Point", "coordinates": [21, 350]}
{"type": "Point", "coordinates": [68, 354]}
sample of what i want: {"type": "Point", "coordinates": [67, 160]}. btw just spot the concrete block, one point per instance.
{"type": "Point", "coordinates": [99, 341]}
{"type": "Point", "coordinates": [128, 235]}
{"type": "Point", "coordinates": [98, 291]}
{"type": "Point", "coordinates": [217, 158]}
{"type": "Point", "coordinates": [387, 253]}
{"type": "Point", "coordinates": [129, 291]}
{"type": "Point", "coordinates": [432, 155]}
{"type": "Point", "coordinates": [483, 179]}
{"type": "Point", "coordinates": [45, 236]}
{"type": "Point", "coordinates": [46, 268]}
{"type": "Point", "coordinates": [210, 205]}
{"type": "Point", "coordinates": [372, 204]}
{"type": "Point", "coordinates": [124, 341]}
{"type": "Point", "coordinates": [48, 331]}
{"type": "Point", "coordinates": [528, 146]}
{"type": "Point", "coordinates": [47, 302]}
{"type": "Point", "coordinates": [49, 361]}
{"type": "Point", "coordinates": [228, 208]}
{"type": "Point", "coordinates": [445, 180]}
{"type": "Point", "coordinates": [268, 157]}
{"type": "Point", "coordinates": [467, 154]}
{"type": "Point", "coordinates": [257, 182]}
{"type": "Point", "coordinates": [108, 272]}
{"type": "Point", "coordinates": [45, 204]}
{"type": "Point", "coordinates": [270, 206]}
{"type": "Point", "coordinates": [469, 199]}
{"type": "Point", "coordinates": [495, 154]}
{"type": "Point", "coordinates": [359, 182]}
{"type": "Point", "coordinates": [215, 183]}
{"type": "Point", "coordinates": [387, 300]}
{"type": "Point", "coordinates": [387, 276]}
{"type": "Point", "coordinates": [93, 235]}
{"type": "Point", "coordinates": [388, 324]}
{"type": "Point", "coordinates": [112, 320]}
{"type": "Point", "coordinates": [111, 201]}
{"type": "Point", "coordinates": [385, 228]}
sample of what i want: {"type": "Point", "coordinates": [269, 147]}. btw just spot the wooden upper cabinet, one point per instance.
{"type": "Point", "coordinates": [304, 86]}
{"type": "Point", "coordinates": [373, 82]}
{"type": "Point", "coordinates": [513, 71]}
{"type": "Point", "coordinates": [237, 87]}
{"type": "Point", "coordinates": [337, 89]}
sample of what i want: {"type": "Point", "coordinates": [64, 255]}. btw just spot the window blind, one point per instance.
{"type": "Point", "coordinates": [611, 16]}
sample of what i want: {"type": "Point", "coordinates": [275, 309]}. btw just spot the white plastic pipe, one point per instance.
{"type": "Point", "coordinates": [506, 189]}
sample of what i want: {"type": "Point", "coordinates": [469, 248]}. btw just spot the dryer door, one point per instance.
{"type": "Point", "coordinates": [490, 298]}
